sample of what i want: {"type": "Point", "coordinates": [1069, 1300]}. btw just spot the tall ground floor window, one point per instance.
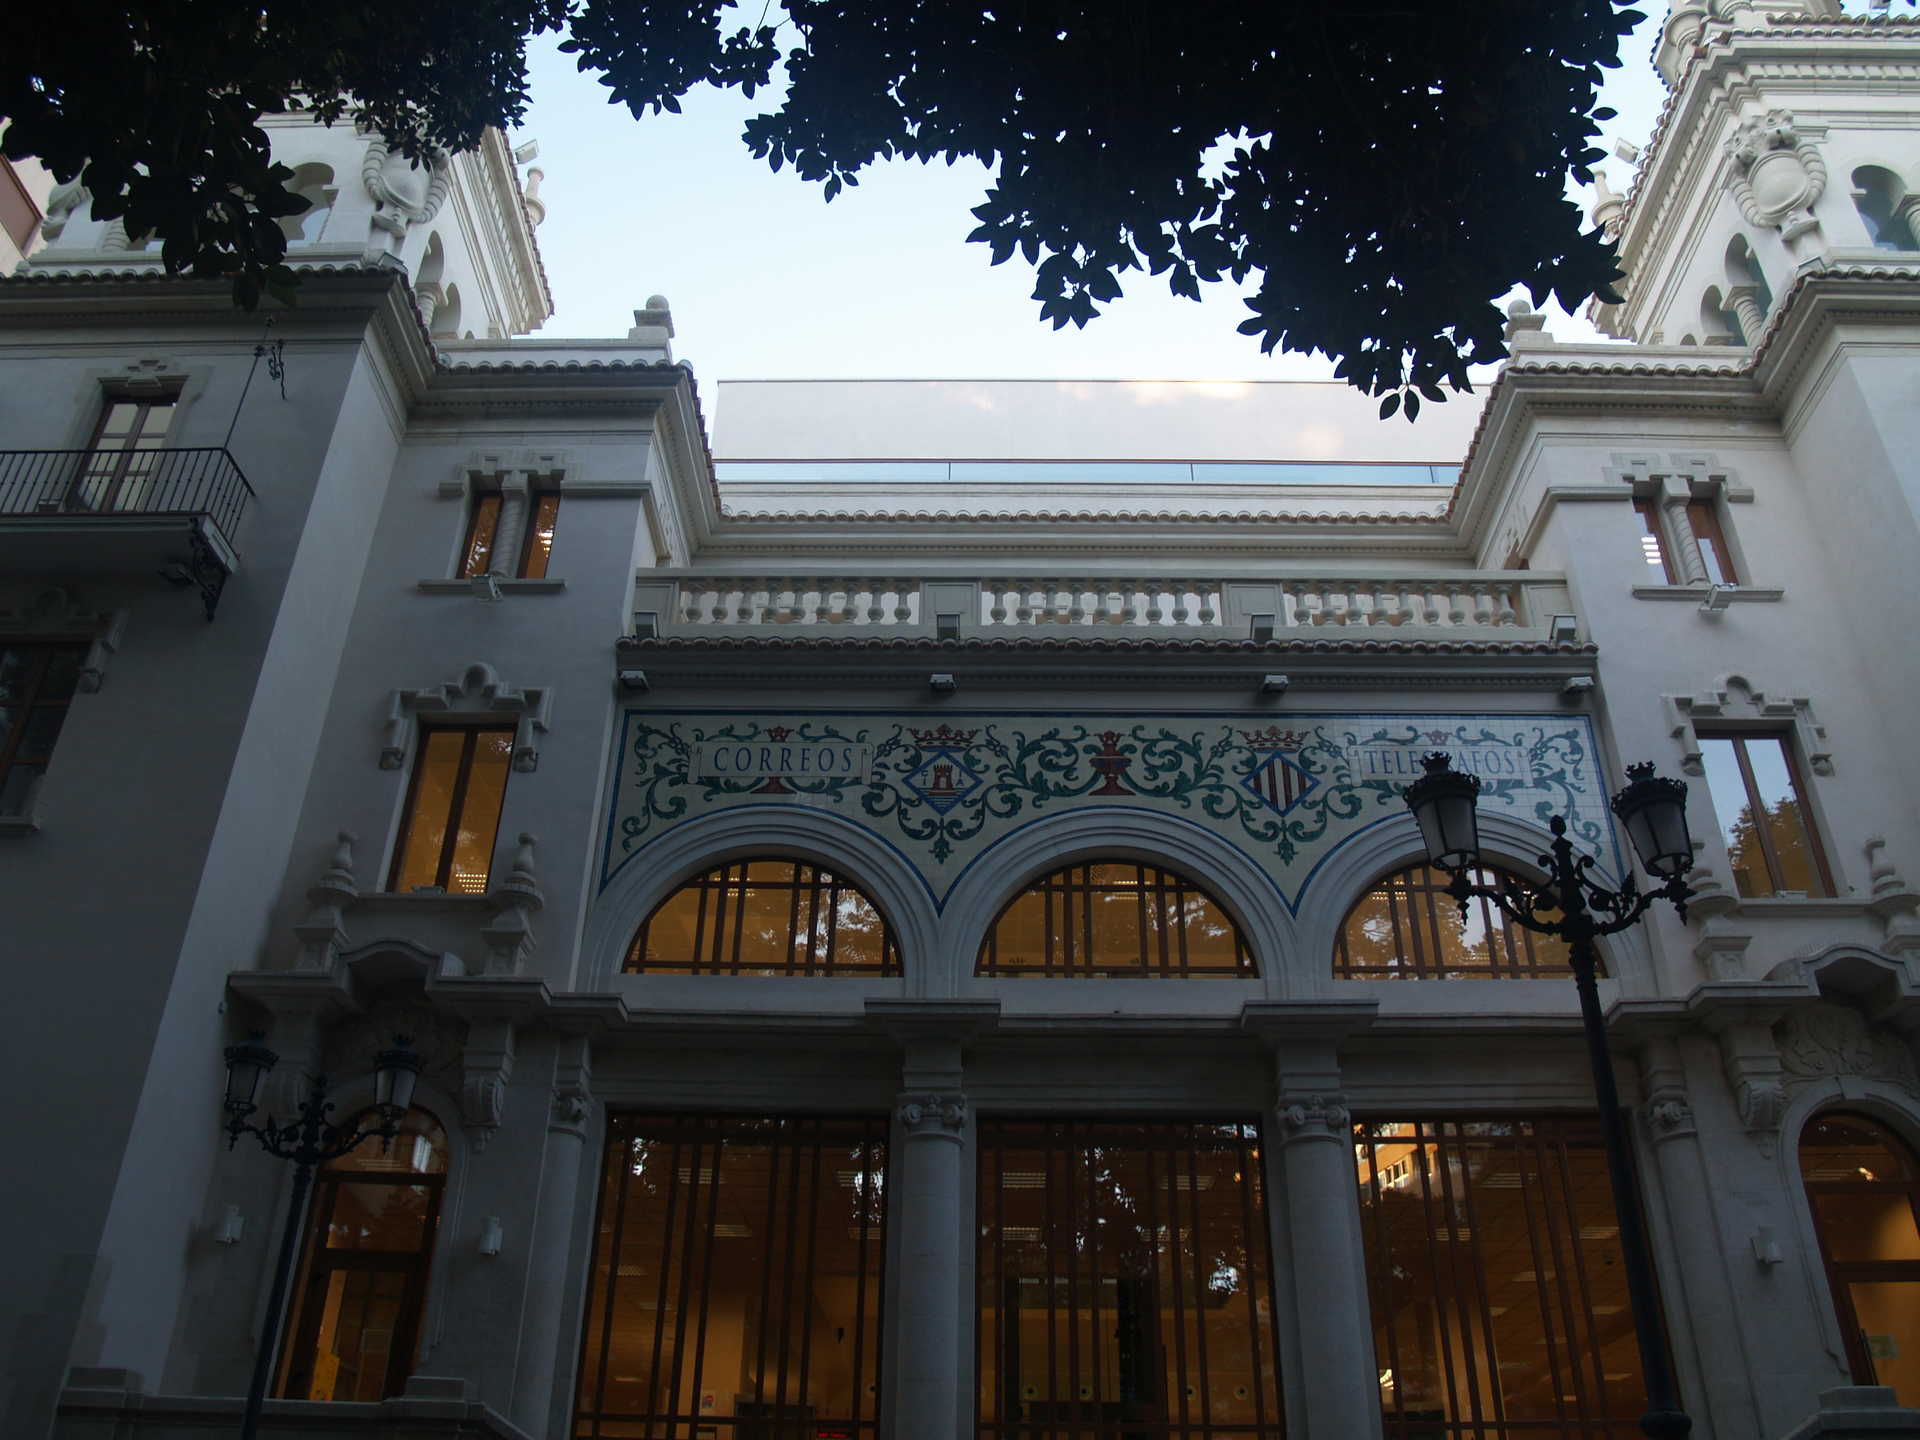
{"type": "Point", "coordinates": [736, 1283]}
{"type": "Point", "coordinates": [1125, 1281]}
{"type": "Point", "coordinates": [1498, 1295]}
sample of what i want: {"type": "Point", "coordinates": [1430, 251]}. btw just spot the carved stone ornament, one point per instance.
{"type": "Point", "coordinates": [1670, 1117]}
{"type": "Point", "coordinates": [479, 695]}
{"type": "Point", "coordinates": [486, 1067]}
{"type": "Point", "coordinates": [1825, 1041]}
{"type": "Point", "coordinates": [56, 612]}
{"type": "Point", "coordinates": [1315, 1117]}
{"type": "Point", "coordinates": [938, 1116]}
{"type": "Point", "coordinates": [1777, 176]}
{"type": "Point", "coordinates": [572, 1108]}
{"type": "Point", "coordinates": [404, 194]}
{"type": "Point", "coordinates": [65, 199]}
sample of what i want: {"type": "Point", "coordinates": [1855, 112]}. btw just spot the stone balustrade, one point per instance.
{"type": "Point", "coordinates": [1500, 605]}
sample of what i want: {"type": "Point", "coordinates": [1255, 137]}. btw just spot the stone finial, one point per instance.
{"type": "Point", "coordinates": [339, 872]}
{"type": "Point", "coordinates": [653, 325]}
{"type": "Point", "coordinates": [530, 197]}
{"type": "Point", "coordinates": [1526, 327]}
{"type": "Point", "coordinates": [1609, 209]}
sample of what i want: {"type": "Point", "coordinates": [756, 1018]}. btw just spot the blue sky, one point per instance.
{"type": "Point", "coordinates": [768, 280]}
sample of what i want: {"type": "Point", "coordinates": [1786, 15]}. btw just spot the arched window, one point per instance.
{"type": "Point", "coordinates": [1115, 918]}
{"type": "Point", "coordinates": [1863, 1186]}
{"type": "Point", "coordinates": [314, 184]}
{"type": "Point", "coordinates": [362, 1286]}
{"type": "Point", "coordinates": [766, 917]}
{"type": "Point", "coordinates": [1877, 195]}
{"type": "Point", "coordinates": [1406, 927]}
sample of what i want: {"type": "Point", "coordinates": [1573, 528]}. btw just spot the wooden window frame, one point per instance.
{"type": "Point", "coordinates": [814, 891]}
{"type": "Point", "coordinates": [115, 480]}
{"type": "Point", "coordinates": [1069, 939]}
{"type": "Point", "coordinates": [1776, 873]}
{"type": "Point", "coordinates": [1419, 889]}
{"type": "Point", "coordinates": [29, 701]}
{"type": "Point", "coordinates": [320, 1262]}
{"type": "Point", "coordinates": [1842, 1273]}
{"type": "Point", "coordinates": [486, 506]}
{"type": "Point", "coordinates": [449, 843]}
{"type": "Point", "coordinates": [1709, 539]}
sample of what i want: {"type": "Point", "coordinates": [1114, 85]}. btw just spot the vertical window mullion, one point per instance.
{"type": "Point", "coordinates": [1757, 809]}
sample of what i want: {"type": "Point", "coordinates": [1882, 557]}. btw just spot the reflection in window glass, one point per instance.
{"type": "Point", "coordinates": [453, 811]}
{"type": "Point", "coordinates": [1114, 918]}
{"type": "Point", "coordinates": [1652, 547]}
{"type": "Point", "coordinates": [1763, 816]}
{"type": "Point", "coordinates": [1862, 1187]}
{"type": "Point", "coordinates": [363, 1281]}
{"type": "Point", "coordinates": [1408, 928]}
{"type": "Point", "coordinates": [766, 917]}
{"type": "Point", "coordinates": [1125, 1282]}
{"type": "Point", "coordinates": [737, 1279]}
{"type": "Point", "coordinates": [484, 525]}
{"type": "Point", "coordinates": [1493, 1267]}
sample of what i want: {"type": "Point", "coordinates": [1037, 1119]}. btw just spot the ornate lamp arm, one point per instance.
{"type": "Point", "coordinates": [311, 1139]}
{"type": "Point", "coordinates": [1570, 905]}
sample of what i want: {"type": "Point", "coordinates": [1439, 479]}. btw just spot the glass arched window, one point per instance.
{"type": "Point", "coordinates": [362, 1286]}
{"type": "Point", "coordinates": [1114, 918]}
{"type": "Point", "coordinates": [766, 917]}
{"type": "Point", "coordinates": [1863, 1187]}
{"type": "Point", "coordinates": [1406, 927]}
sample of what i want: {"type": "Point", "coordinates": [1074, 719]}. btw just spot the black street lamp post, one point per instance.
{"type": "Point", "coordinates": [1570, 905]}
{"type": "Point", "coordinates": [309, 1140]}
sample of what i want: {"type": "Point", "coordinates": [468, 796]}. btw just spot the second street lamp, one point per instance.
{"type": "Point", "coordinates": [1569, 904]}
{"type": "Point", "coordinates": [311, 1139]}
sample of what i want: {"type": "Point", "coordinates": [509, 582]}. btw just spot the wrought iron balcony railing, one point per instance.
{"type": "Point", "coordinates": [88, 509]}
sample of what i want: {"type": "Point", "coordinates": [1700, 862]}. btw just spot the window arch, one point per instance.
{"type": "Point", "coordinates": [1878, 195]}
{"type": "Point", "coordinates": [314, 184]}
{"type": "Point", "coordinates": [772, 915]}
{"type": "Point", "coordinates": [1114, 918]}
{"type": "Point", "coordinates": [1406, 927]}
{"type": "Point", "coordinates": [1863, 1186]}
{"type": "Point", "coordinates": [362, 1283]}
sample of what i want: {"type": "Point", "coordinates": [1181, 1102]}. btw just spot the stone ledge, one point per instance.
{"type": "Point", "coordinates": [505, 585]}
{"type": "Point", "coordinates": [1738, 594]}
{"type": "Point", "coordinates": [1858, 1412]}
{"type": "Point", "coordinates": [107, 1402]}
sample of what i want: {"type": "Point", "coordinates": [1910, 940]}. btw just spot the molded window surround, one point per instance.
{"type": "Point", "coordinates": [478, 696]}
{"type": "Point", "coordinates": [1686, 536]}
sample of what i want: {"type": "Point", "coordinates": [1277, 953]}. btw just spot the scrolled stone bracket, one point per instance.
{"type": "Point", "coordinates": [930, 1116]}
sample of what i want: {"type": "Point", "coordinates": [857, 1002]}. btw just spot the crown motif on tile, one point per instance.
{"type": "Point", "coordinates": [1274, 737]}
{"type": "Point", "coordinates": [944, 736]}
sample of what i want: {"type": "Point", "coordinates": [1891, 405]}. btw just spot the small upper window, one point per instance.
{"type": "Point", "coordinates": [1710, 541]}
{"type": "Point", "coordinates": [453, 809]}
{"type": "Point", "coordinates": [1653, 546]}
{"type": "Point", "coordinates": [1115, 918]}
{"type": "Point", "coordinates": [509, 540]}
{"type": "Point", "coordinates": [37, 683]}
{"type": "Point", "coordinates": [1763, 815]}
{"type": "Point", "coordinates": [766, 917]}
{"type": "Point", "coordinates": [1406, 927]}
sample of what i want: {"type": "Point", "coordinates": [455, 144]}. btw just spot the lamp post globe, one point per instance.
{"type": "Point", "coordinates": [1444, 803]}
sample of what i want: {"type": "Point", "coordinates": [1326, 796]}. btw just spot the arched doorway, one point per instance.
{"type": "Point", "coordinates": [1863, 1186]}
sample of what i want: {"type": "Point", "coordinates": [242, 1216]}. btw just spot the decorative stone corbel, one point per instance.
{"type": "Point", "coordinates": [323, 934]}
{"type": "Point", "coordinates": [1668, 1111]}
{"type": "Point", "coordinates": [1777, 175]}
{"type": "Point", "coordinates": [486, 1069]}
{"type": "Point", "coordinates": [1894, 901]}
{"type": "Point", "coordinates": [1756, 1076]}
{"type": "Point", "coordinates": [927, 1115]}
{"type": "Point", "coordinates": [508, 936]}
{"type": "Point", "coordinates": [572, 1106]}
{"type": "Point", "coordinates": [478, 695]}
{"type": "Point", "coordinates": [56, 612]}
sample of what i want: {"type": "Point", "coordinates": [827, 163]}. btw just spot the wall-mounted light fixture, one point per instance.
{"type": "Point", "coordinates": [490, 1236]}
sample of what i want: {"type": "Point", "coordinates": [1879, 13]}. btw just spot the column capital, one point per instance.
{"type": "Point", "coordinates": [933, 1115]}
{"type": "Point", "coordinates": [1312, 1117]}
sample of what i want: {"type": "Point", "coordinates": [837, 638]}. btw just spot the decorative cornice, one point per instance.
{"type": "Point", "coordinates": [1052, 644]}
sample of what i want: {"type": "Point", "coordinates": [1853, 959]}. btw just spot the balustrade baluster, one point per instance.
{"type": "Point", "coordinates": [1506, 613]}
{"type": "Point", "coordinates": [1456, 606]}
{"type": "Point", "coordinates": [1482, 607]}
{"type": "Point", "coordinates": [875, 591]}
{"type": "Point", "coordinates": [1077, 611]}
{"type": "Point", "coordinates": [1180, 611]}
{"type": "Point", "coordinates": [1209, 603]}
{"type": "Point", "coordinates": [998, 590]}
{"type": "Point", "coordinates": [1129, 604]}
{"type": "Point", "coordinates": [690, 599]}
{"type": "Point", "coordinates": [906, 601]}
{"type": "Point", "coordinates": [1154, 613]}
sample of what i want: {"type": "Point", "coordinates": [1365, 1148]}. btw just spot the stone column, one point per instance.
{"type": "Point", "coordinates": [511, 531]}
{"type": "Point", "coordinates": [1744, 302]}
{"type": "Point", "coordinates": [1332, 1385]}
{"type": "Point", "coordinates": [926, 1396]}
{"type": "Point", "coordinates": [1705, 1292]}
{"type": "Point", "coordinates": [549, 1338]}
{"type": "Point", "coordinates": [1686, 549]}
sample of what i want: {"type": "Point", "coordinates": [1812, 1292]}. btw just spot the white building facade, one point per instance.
{"type": "Point", "coordinates": [910, 926]}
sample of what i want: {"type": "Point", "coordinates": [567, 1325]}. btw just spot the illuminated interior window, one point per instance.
{"type": "Point", "coordinates": [737, 1279]}
{"type": "Point", "coordinates": [480, 551]}
{"type": "Point", "coordinates": [1763, 815]}
{"type": "Point", "coordinates": [1863, 1186]}
{"type": "Point", "coordinates": [1406, 927]}
{"type": "Point", "coordinates": [453, 809]}
{"type": "Point", "coordinates": [1652, 547]}
{"type": "Point", "coordinates": [1114, 918]}
{"type": "Point", "coordinates": [355, 1326]}
{"type": "Point", "coordinates": [1498, 1295]}
{"type": "Point", "coordinates": [766, 917]}
{"type": "Point", "coordinates": [1125, 1282]}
